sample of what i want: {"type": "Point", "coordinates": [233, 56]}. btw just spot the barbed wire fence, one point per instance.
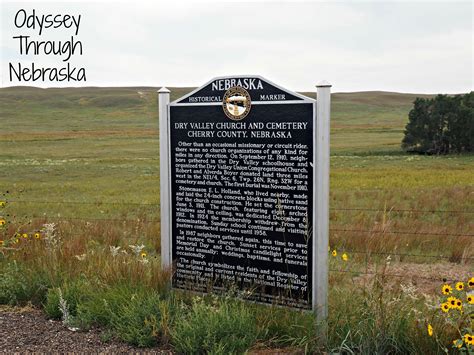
{"type": "Point", "coordinates": [352, 231]}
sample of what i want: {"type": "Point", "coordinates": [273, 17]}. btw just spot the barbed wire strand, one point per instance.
{"type": "Point", "coordinates": [158, 204]}
{"type": "Point", "coordinates": [401, 232]}
{"type": "Point", "coordinates": [401, 254]}
{"type": "Point", "coordinates": [95, 219]}
{"type": "Point", "coordinates": [400, 210]}
{"type": "Point", "coordinates": [84, 202]}
{"type": "Point", "coordinates": [393, 275]}
{"type": "Point", "coordinates": [331, 229]}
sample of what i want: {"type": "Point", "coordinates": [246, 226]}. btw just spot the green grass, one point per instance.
{"type": "Point", "coordinates": [87, 144]}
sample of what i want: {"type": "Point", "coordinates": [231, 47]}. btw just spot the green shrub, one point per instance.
{"type": "Point", "coordinates": [92, 311]}
{"type": "Point", "coordinates": [223, 326]}
{"type": "Point", "coordinates": [279, 326]}
{"type": "Point", "coordinates": [19, 285]}
{"type": "Point", "coordinates": [51, 306]}
{"type": "Point", "coordinates": [133, 314]}
{"type": "Point", "coordinates": [375, 320]}
{"type": "Point", "coordinates": [72, 293]}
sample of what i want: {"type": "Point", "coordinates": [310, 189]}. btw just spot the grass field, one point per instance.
{"type": "Point", "coordinates": [100, 146]}
{"type": "Point", "coordinates": [88, 159]}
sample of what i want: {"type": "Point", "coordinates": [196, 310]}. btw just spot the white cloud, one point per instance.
{"type": "Point", "coordinates": [397, 46]}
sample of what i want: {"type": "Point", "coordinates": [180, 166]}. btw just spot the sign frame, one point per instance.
{"type": "Point", "coordinates": [320, 166]}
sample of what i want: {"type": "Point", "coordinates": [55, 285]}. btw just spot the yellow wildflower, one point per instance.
{"type": "Point", "coordinates": [471, 282]}
{"type": "Point", "coordinates": [460, 286]}
{"type": "Point", "coordinates": [3, 203]}
{"type": "Point", "coordinates": [345, 257]}
{"type": "Point", "coordinates": [334, 253]}
{"type": "Point", "coordinates": [458, 304]}
{"type": "Point", "coordinates": [451, 301]}
{"type": "Point", "coordinates": [430, 330]}
{"type": "Point", "coordinates": [457, 343]}
{"type": "Point", "coordinates": [470, 298]}
{"type": "Point", "coordinates": [2, 222]}
{"type": "Point", "coordinates": [469, 339]}
{"type": "Point", "coordinates": [446, 289]}
{"type": "Point", "coordinates": [25, 235]}
{"type": "Point", "coordinates": [445, 307]}
{"type": "Point", "coordinates": [37, 235]}
{"type": "Point", "coordinates": [143, 254]}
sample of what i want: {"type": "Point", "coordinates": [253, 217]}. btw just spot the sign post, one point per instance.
{"type": "Point", "coordinates": [321, 203]}
{"type": "Point", "coordinates": [244, 167]}
{"type": "Point", "coordinates": [163, 103]}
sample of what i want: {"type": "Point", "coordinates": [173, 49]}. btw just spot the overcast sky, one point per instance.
{"type": "Point", "coordinates": [422, 47]}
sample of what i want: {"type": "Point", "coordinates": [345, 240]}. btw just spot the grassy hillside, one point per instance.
{"type": "Point", "coordinates": [361, 122]}
{"type": "Point", "coordinates": [369, 122]}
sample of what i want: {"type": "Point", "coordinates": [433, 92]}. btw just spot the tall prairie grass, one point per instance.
{"type": "Point", "coordinates": [110, 276]}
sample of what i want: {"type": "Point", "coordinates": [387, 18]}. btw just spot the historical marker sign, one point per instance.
{"type": "Point", "coordinates": [241, 190]}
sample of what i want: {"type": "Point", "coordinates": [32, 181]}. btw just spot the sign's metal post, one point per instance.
{"type": "Point", "coordinates": [321, 204]}
{"type": "Point", "coordinates": [165, 208]}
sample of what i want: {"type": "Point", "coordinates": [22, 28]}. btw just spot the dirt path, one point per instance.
{"type": "Point", "coordinates": [28, 330]}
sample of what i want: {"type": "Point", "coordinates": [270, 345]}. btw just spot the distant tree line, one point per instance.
{"type": "Point", "coordinates": [442, 125]}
